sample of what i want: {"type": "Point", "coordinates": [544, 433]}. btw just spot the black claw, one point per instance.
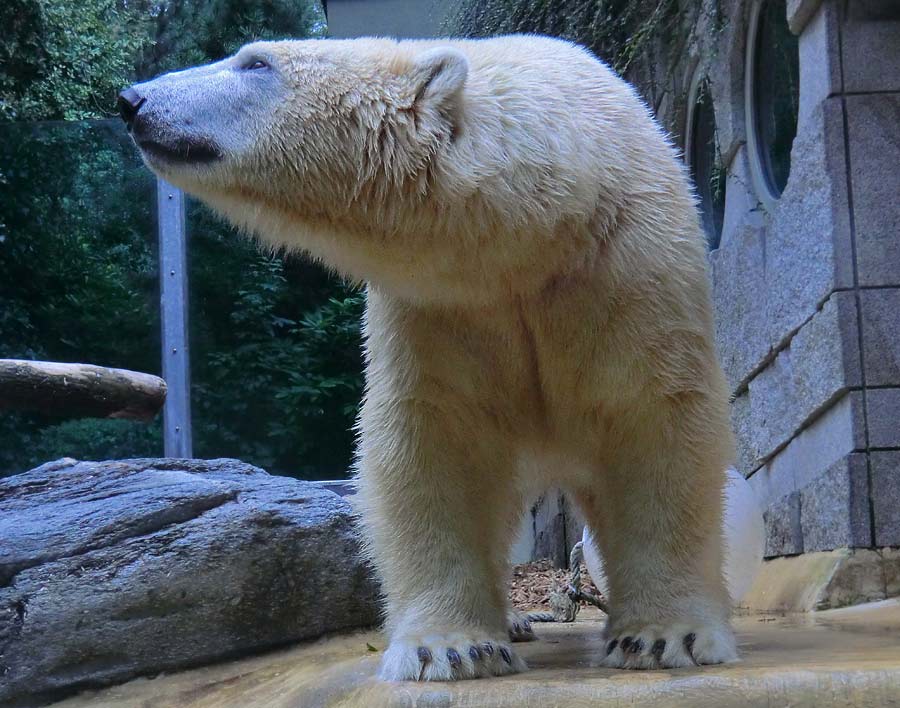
{"type": "Point", "coordinates": [516, 628]}
{"type": "Point", "coordinates": [488, 648]}
{"type": "Point", "coordinates": [504, 652]}
{"type": "Point", "coordinates": [611, 647]}
{"type": "Point", "coordinates": [626, 644]}
{"type": "Point", "coordinates": [527, 625]}
{"type": "Point", "coordinates": [637, 646]}
{"type": "Point", "coordinates": [475, 653]}
{"type": "Point", "coordinates": [689, 640]}
{"type": "Point", "coordinates": [424, 654]}
{"type": "Point", "coordinates": [454, 658]}
{"type": "Point", "coordinates": [659, 646]}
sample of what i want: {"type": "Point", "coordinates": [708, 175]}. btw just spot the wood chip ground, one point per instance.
{"type": "Point", "coordinates": [532, 583]}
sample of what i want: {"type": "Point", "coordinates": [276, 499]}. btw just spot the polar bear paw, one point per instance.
{"type": "Point", "coordinates": [668, 647]}
{"type": "Point", "coordinates": [519, 627]}
{"type": "Point", "coordinates": [449, 657]}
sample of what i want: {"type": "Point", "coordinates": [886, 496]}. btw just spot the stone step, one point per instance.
{"type": "Point", "coordinates": [847, 657]}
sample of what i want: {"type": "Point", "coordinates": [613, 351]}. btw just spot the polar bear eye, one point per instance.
{"type": "Point", "coordinates": [255, 65]}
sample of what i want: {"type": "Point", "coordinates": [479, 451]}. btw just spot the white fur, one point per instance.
{"type": "Point", "coordinates": [538, 314]}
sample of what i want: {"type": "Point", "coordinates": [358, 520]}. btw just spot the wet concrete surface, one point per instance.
{"type": "Point", "coordinates": [847, 657]}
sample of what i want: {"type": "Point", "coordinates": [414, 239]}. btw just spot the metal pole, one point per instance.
{"type": "Point", "coordinates": [173, 292]}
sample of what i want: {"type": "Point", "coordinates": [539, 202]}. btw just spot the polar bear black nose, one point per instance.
{"type": "Point", "coordinates": [129, 104]}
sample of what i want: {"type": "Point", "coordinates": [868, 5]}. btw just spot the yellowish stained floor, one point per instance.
{"type": "Point", "coordinates": [848, 657]}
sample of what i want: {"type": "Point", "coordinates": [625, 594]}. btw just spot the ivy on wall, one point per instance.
{"type": "Point", "coordinates": [615, 30]}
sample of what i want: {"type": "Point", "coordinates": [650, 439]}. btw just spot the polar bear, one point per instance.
{"type": "Point", "coordinates": [538, 314]}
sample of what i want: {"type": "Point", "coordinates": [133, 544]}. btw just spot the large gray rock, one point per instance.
{"type": "Point", "coordinates": [113, 569]}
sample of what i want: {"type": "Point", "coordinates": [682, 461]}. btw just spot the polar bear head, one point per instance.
{"type": "Point", "coordinates": [393, 162]}
{"type": "Point", "coordinates": [314, 115]}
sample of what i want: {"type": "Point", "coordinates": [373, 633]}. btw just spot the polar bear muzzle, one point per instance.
{"type": "Point", "coordinates": [160, 140]}
{"type": "Point", "coordinates": [199, 116]}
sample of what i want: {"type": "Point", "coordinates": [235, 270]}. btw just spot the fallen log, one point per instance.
{"type": "Point", "coordinates": [79, 390]}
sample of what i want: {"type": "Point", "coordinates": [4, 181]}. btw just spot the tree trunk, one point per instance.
{"type": "Point", "coordinates": [79, 390]}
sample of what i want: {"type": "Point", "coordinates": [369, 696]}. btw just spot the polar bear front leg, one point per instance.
{"type": "Point", "coordinates": [656, 516]}
{"type": "Point", "coordinates": [436, 506]}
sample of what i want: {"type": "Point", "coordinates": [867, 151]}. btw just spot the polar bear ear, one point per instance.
{"type": "Point", "coordinates": [439, 75]}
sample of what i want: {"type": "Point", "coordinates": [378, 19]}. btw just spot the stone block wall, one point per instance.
{"type": "Point", "coordinates": [806, 287]}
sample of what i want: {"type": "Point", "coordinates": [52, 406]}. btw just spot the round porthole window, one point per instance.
{"type": "Point", "coordinates": [773, 96]}
{"type": "Point", "coordinates": [705, 161]}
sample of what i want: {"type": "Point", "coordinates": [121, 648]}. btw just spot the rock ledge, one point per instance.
{"type": "Point", "coordinates": [109, 570]}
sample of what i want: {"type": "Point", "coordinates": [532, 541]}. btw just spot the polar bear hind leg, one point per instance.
{"type": "Point", "coordinates": [655, 513]}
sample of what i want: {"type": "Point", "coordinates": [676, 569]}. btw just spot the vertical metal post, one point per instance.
{"type": "Point", "coordinates": [173, 291]}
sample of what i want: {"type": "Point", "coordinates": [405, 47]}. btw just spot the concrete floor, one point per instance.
{"type": "Point", "coordinates": [847, 657]}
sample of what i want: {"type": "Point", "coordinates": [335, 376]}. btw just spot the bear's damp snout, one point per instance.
{"type": "Point", "coordinates": [158, 133]}
{"type": "Point", "coordinates": [129, 103]}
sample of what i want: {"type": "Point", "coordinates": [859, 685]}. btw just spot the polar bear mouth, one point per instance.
{"type": "Point", "coordinates": [182, 151]}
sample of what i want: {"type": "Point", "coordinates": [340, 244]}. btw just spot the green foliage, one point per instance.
{"type": "Point", "coordinates": [77, 266]}
{"type": "Point", "coordinates": [77, 269]}
{"type": "Point", "coordinates": [187, 32]}
{"type": "Point", "coordinates": [277, 356]}
{"type": "Point", "coordinates": [65, 59]}
{"type": "Point", "coordinates": [276, 350]}
{"type": "Point", "coordinates": [93, 440]}
{"type": "Point", "coordinates": [68, 59]}
{"type": "Point", "coordinates": [615, 30]}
